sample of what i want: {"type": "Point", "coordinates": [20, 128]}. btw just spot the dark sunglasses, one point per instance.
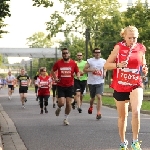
{"type": "Point", "coordinates": [65, 53]}
{"type": "Point", "coordinates": [43, 71]}
{"type": "Point", "coordinates": [79, 55]}
{"type": "Point", "coordinates": [97, 52]}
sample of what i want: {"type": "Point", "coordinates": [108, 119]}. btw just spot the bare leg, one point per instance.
{"type": "Point", "coordinates": [99, 103]}
{"type": "Point", "coordinates": [136, 97]}
{"type": "Point", "coordinates": [122, 108]}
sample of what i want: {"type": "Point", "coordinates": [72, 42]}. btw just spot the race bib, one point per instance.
{"type": "Point", "coordinates": [128, 77]}
{"type": "Point", "coordinates": [65, 71]}
{"type": "Point", "coordinates": [24, 83]}
{"type": "Point", "coordinates": [44, 84]}
{"type": "Point", "coordinates": [97, 73]}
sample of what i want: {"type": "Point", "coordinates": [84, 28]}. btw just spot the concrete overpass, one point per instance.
{"type": "Point", "coordinates": [31, 52]}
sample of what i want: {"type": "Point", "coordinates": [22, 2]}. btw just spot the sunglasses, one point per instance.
{"type": "Point", "coordinates": [97, 52]}
{"type": "Point", "coordinates": [79, 55]}
{"type": "Point", "coordinates": [43, 71]}
{"type": "Point", "coordinates": [65, 53]}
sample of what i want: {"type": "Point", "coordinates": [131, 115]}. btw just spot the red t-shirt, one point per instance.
{"type": "Point", "coordinates": [66, 72]}
{"type": "Point", "coordinates": [125, 80]}
{"type": "Point", "coordinates": [44, 83]}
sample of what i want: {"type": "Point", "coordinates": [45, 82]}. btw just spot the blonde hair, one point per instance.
{"type": "Point", "coordinates": [128, 28]}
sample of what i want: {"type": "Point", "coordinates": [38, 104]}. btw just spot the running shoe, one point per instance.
{"type": "Point", "coordinates": [124, 146]}
{"type": "Point", "coordinates": [23, 106]}
{"type": "Point", "coordinates": [79, 110]}
{"type": "Point", "coordinates": [57, 111]}
{"type": "Point", "coordinates": [136, 146]}
{"type": "Point", "coordinates": [73, 105]}
{"type": "Point", "coordinates": [46, 111]}
{"type": "Point", "coordinates": [25, 99]}
{"type": "Point", "coordinates": [66, 122]}
{"type": "Point", "coordinates": [99, 116]}
{"type": "Point", "coordinates": [90, 109]}
{"type": "Point", "coordinates": [41, 112]}
{"type": "Point", "coordinates": [36, 98]}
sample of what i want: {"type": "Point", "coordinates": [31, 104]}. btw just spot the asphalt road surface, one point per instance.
{"type": "Point", "coordinates": [47, 132]}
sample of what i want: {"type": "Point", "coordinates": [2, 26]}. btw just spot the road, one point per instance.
{"type": "Point", "coordinates": [47, 132]}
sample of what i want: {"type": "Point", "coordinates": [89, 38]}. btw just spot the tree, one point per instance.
{"type": "Point", "coordinates": [74, 44]}
{"type": "Point", "coordinates": [39, 40]}
{"type": "Point", "coordinates": [84, 14]}
{"type": "Point", "coordinates": [4, 12]}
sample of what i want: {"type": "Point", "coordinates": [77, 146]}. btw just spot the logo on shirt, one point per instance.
{"type": "Point", "coordinates": [65, 71]}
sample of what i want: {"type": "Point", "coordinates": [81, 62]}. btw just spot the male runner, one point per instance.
{"type": "Point", "coordinates": [24, 82]}
{"type": "Point", "coordinates": [10, 79]}
{"type": "Point", "coordinates": [96, 74]}
{"type": "Point", "coordinates": [79, 85]}
{"type": "Point", "coordinates": [36, 84]}
{"type": "Point", "coordinates": [66, 68]}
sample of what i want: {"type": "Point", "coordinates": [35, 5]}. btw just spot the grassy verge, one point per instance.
{"type": "Point", "coordinates": [110, 101]}
{"type": "Point", "coordinates": [107, 100]}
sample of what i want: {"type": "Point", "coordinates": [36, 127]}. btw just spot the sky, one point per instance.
{"type": "Point", "coordinates": [25, 20]}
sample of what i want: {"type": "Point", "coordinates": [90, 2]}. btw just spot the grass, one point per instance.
{"type": "Point", "coordinates": [110, 90]}
{"type": "Point", "coordinates": [107, 100]}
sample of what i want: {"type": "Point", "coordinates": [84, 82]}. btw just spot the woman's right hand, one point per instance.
{"type": "Point", "coordinates": [123, 64]}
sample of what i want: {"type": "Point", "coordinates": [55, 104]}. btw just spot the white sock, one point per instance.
{"type": "Point", "coordinates": [135, 140]}
{"type": "Point", "coordinates": [66, 116]}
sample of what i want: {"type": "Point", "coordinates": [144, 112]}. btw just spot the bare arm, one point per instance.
{"type": "Point", "coordinates": [54, 75]}
{"type": "Point", "coordinates": [87, 68]}
{"type": "Point", "coordinates": [110, 62]}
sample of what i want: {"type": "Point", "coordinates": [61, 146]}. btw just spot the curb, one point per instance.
{"type": "Point", "coordinates": [10, 138]}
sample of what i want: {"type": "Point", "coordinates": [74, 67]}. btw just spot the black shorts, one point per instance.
{"type": "Point", "coordinates": [54, 90]}
{"type": "Point", "coordinates": [23, 90]}
{"type": "Point", "coordinates": [79, 86]}
{"type": "Point", "coordinates": [11, 87]}
{"type": "Point", "coordinates": [121, 96]}
{"type": "Point", "coordinates": [65, 91]}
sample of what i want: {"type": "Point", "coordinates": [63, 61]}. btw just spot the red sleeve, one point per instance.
{"type": "Point", "coordinates": [55, 67]}
{"type": "Point", "coordinates": [76, 69]}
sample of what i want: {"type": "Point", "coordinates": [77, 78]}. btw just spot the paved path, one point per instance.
{"type": "Point", "coordinates": [47, 132]}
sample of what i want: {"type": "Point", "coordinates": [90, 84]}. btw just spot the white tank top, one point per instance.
{"type": "Point", "coordinates": [97, 77]}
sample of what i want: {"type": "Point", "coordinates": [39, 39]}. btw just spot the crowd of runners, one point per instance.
{"type": "Point", "coordinates": [68, 80]}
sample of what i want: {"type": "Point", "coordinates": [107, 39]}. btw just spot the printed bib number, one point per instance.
{"type": "Point", "coordinates": [97, 73]}
{"type": "Point", "coordinates": [127, 78]}
{"type": "Point", "coordinates": [24, 83]}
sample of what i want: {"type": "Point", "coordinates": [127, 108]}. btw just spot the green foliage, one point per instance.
{"type": "Point", "coordinates": [103, 19]}
{"type": "Point", "coordinates": [45, 3]}
{"type": "Point", "coordinates": [4, 12]}
{"type": "Point", "coordinates": [139, 16]}
{"type": "Point", "coordinates": [74, 44]}
{"type": "Point", "coordinates": [39, 40]}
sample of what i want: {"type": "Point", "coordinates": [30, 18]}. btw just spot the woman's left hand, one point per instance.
{"type": "Point", "coordinates": [145, 69]}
